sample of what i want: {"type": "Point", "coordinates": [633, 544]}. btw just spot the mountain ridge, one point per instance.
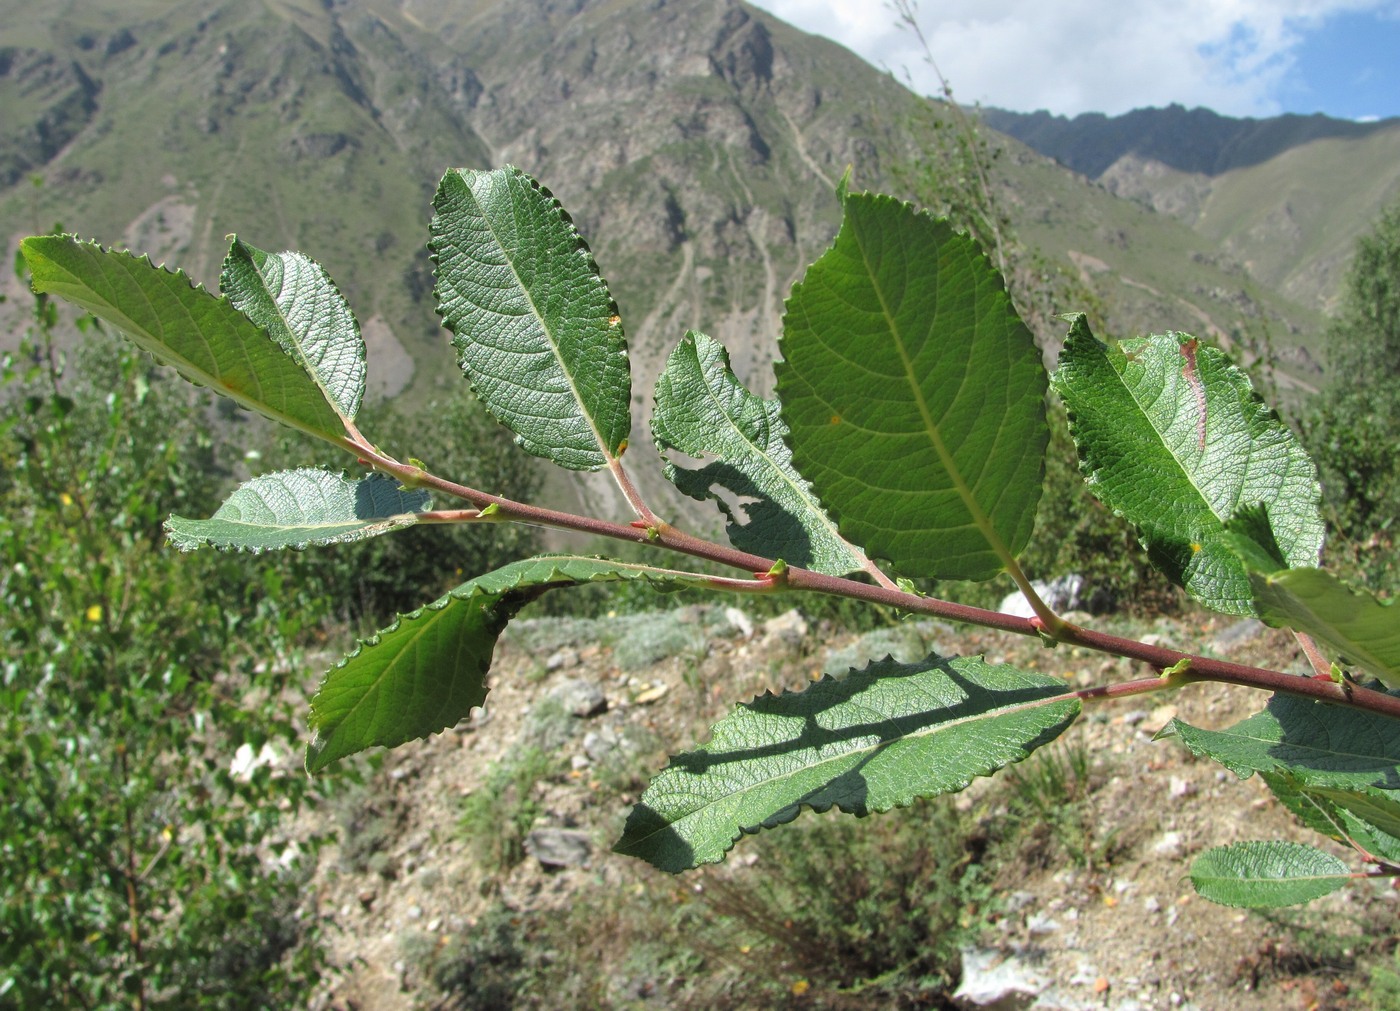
{"type": "Point", "coordinates": [1195, 140]}
{"type": "Point", "coordinates": [1286, 197]}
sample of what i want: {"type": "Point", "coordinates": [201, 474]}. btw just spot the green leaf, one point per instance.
{"type": "Point", "coordinates": [428, 669]}
{"type": "Point", "coordinates": [201, 336]}
{"type": "Point", "coordinates": [702, 409]}
{"type": "Point", "coordinates": [1370, 818]}
{"type": "Point", "coordinates": [1318, 743]}
{"type": "Point", "coordinates": [1263, 875]}
{"type": "Point", "coordinates": [297, 508]}
{"type": "Point", "coordinates": [294, 299]}
{"type": "Point", "coordinates": [1363, 630]}
{"type": "Point", "coordinates": [1173, 437]}
{"type": "Point", "coordinates": [914, 394]}
{"type": "Point", "coordinates": [870, 741]}
{"type": "Point", "coordinates": [1306, 805]}
{"type": "Point", "coordinates": [535, 328]}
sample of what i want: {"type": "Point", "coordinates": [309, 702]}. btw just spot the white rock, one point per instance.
{"type": "Point", "coordinates": [789, 626]}
{"type": "Point", "coordinates": [739, 620]}
{"type": "Point", "coordinates": [996, 982]}
{"type": "Point", "coordinates": [561, 658]}
{"type": "Point", "coordinates": [1170, 845]}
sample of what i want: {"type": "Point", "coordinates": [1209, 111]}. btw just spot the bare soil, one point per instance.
{"type": "Point", "coordinates": [1117, 927]}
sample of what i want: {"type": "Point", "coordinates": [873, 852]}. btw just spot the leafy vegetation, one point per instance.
{"type": "Point", "coordinates": [145, 853]}
{"type": "Point", "coordinates": [911, 396]}
{"type": "Point", "coordinates": [811, 918]}
{"type": "Point", "coordinates": [1355, 432]}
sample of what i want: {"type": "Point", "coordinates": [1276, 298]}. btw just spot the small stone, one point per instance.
{"type": "Point", "coordinates": [1158, 719]}
{"type": "Point", "coordinates": [1151, 904]}
{"type": "Point", "coordinates": [1017, 901]}
{"type": "Point", "coordinates": [560, 659]}
{"type": "Point", "coordinates": [739, 621]}
{"type": "Point", "coordinates": [652, 694]}
{"type": "Point", "coordinates": [580, 698]}
{"type": "Point", "coordinates": [559, 847]}
{"type": "Point", "coordinates": [1040, 924]}
{"type": "Point", "coordinates": [1237, 635]}
{"type": "Point", "coordinates": [434, 925]}
{"type": "Point", "coordinates": [579, 762]}
{"type": "Point", "coordinates": [991, 980]}
{"type": "Point", "coordinates": [1169, 845]}
{"type": "Point", "coordinates": [789, 626]}
{"type": "Point", "coordinates": [1133, 717]}
{"type": "Point", "coordinates": [599, 744]}
{"type": "Point", "coordinates": [1180, 787]}
{"type": "Point", "coordinates": [415, 912]}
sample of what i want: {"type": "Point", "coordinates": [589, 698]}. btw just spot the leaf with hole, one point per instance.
{"type": "Point", "coordinates": [703, 410]}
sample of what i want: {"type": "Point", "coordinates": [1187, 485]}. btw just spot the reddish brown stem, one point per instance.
{"type": "Point", "coordinates": [664, 535]}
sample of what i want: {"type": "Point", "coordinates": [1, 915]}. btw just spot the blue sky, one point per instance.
{"type": "Point", "coordinates": [1238, 57]}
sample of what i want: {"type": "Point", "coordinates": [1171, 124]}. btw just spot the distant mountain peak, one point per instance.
{"type": "Point", "coordinates": [1190, 140]}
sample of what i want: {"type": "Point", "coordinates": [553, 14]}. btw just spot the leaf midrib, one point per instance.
{"type": "Point", "coordinates": [584, 412]}
{"type": "Point", "coordinates": [856, 753]}
{"type": "Point", "coordinates": [804, 495]}
{"type": "Point", "coordinates": [980, 519]}
{"type": "Point", "coordinates": [83, 294]}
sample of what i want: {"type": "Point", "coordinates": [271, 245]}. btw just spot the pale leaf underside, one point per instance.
{"type": "Point", "coordinates": [876, 739]}
{"type": "Point", "coordinates": [202, 336]}
{"type": "Point", "coordinates": [1263, 875]}
{"type": "Point", "coordinates": [536, 331]}
{"type": "Point", "coordinates": [703, 410]}
{"type": "Point", "coordinates": [299, 508]}
{"type": "Point", "coordinates": [294, 299]}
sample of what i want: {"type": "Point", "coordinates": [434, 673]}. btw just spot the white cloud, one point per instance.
{"type": "Point", "coordinates": [1072, 56]}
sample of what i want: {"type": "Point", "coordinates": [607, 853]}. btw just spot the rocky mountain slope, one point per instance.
{"type": "Point", "coordinates": [697, 143]}
{"type": "Point", "coordinates": [1286, 197]}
